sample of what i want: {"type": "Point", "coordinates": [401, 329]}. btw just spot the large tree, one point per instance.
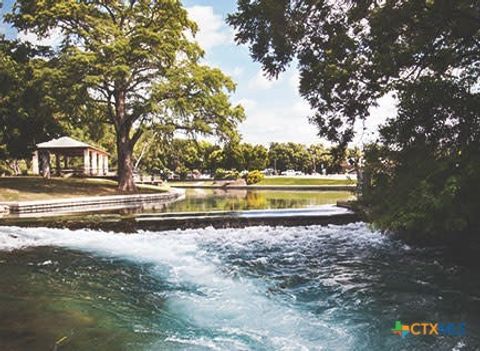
{"type": "Point", "coordinates": [425, 167]}
{"type": "Point", "coordinates": [27, 115]}
{"type": "Point", "coordinates": [350, 53]}
{"type": "Point", "coordinates": [136, 60]}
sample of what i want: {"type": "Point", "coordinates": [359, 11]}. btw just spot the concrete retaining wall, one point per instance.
{"type": "Point", "coordinates": [93, 203]}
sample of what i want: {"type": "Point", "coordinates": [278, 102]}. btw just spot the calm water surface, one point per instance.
{"type": "Point", "coordinates": [237, 200]}
{"type": "Point", "coordinates": [204, 200]}
{"type": "Point", "coordinates": [258, 288]}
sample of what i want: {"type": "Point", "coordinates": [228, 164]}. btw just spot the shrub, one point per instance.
{"type": "Point", "coordinates": [254, 177]}
{"type": "Point", "coordinates": [182, 171]}
{"type": "Point", "coordinates": [5, 169]}
{"type": "Point", "coordinates": [222, 174]}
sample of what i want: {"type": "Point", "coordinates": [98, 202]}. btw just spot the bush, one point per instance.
{"type": "Point", "coordinates": [421, 195]}
{"type": "Point", "coordinates": [182, 171]}
{"type": "Point", "coordinates": [222, 174]}
{"type": "Point", "coordinates": [254, 177]}
{"type": "Point", "coordinates": [5, 169]}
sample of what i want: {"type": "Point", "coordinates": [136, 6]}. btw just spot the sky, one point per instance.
{"type": "Point", "coordinates": [275, 112]}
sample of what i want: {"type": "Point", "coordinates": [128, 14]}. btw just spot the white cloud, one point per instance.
{"type": "Point", "coordinates": [3, 26]}
{"type": "Point", "coordinates": [294, 80]}
{"type": "Point", "coordinates": [301, 107]}
{"type": "Point", "coordinates": [212, 29]}
{"type": "Point", "coordinates": [367, 131]}
{"type": "Point", "coordinates": [53, 38]}
{"type": "Point", "coordinates": [278, 123]}
{"type": "Point", "coordinates": [288, 121]}
{"type": "Point", "coordinates": [248, 104]}
{"type": "Point", "coordinates": [261, 82]}
{"type": "Point", "coordinates": [237, 71]}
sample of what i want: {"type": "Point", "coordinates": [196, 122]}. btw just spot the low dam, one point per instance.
{"type": "Point", "coordinates": [321, 215]}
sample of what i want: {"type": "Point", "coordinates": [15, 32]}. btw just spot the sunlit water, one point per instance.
{"type": "Point", "coordinates": [258, 288]}
{"type": "Point", "coordinates": [206, 200]}
{"type": "Point", "coordinates": [236, 200]}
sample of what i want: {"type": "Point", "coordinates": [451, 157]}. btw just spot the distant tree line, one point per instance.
{"type": "Point", "coordinates": [183, 156]}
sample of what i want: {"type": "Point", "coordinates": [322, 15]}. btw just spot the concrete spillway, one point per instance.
{"type": "Point", "coordinates": [321, 215]}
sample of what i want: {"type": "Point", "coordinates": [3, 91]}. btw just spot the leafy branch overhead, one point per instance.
{"type": "Point", "coordinates": [350, 53]}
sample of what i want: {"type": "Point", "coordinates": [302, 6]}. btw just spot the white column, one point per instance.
{"type": "Point", "coordinates": [105, 164]}
{"type": "Point", "coordinates": [35, 169]}
{"type": "Point", "coordinates": [86, 162]}
{"type": "Point", "coordinates": [100, 164]}
{"type": "Point", "coordinates": [94, 163]}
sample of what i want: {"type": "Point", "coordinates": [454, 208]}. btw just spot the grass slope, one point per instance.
{"type": "Point", "coordinates": [292, 181]}
{"type": "Point", "coordinates": [304, 181]}
{"type": "Point", "coordinates": [37, 188]}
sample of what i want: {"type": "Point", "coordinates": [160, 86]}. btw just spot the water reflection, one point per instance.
{"type": "Point", "coordinates": [199, 200]}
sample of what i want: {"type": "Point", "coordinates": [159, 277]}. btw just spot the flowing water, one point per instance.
{"type": "Point", "coordinates": [257, 288]}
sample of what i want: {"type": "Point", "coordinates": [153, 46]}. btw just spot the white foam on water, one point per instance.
{"type": "Point", "coordinates": [236, 311]}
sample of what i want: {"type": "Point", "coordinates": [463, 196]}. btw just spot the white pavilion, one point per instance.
{"type": "Point", "coordinates": [95, 160]}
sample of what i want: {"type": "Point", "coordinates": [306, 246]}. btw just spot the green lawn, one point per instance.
{"type": "Point", "coordinates": [37, 188]}
{"type": "Point", "coordinates": [279, 181]}
{"type": "Point", "coordinates": [304, 181]}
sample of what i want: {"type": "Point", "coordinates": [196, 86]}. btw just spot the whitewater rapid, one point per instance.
{"type": "Point", "coordinates": [236, 307]}
{"type": "Point", "coordinates": [256, 288]}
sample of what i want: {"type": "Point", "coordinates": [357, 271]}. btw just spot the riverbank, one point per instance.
{"type": "Point", "coordinates": [323, 183]}
{"type": "Point", "coordinates": [31, 188]}
{"type": "Point", "coordinates": [37, 197]}
{"type": "Point", "coordinates": [212, 185]}
{"type": "Point", "coordinates": [88, 204]}
{"type": "Point", "coordinates": [308, 180]}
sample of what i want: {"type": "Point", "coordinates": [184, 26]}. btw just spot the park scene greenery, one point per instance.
{"type": "Point", "coordinates": [239, 175]}
{"type": "Point", "coordinates": [129, 77]}
{"type": "Point", "coordinates": [422, 173]}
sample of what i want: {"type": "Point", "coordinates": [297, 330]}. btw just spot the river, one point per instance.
{"type": "Point", "coordinates": [258, 288]}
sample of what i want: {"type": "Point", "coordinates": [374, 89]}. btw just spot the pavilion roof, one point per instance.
{"type": "Point", "coordinates": [66, 142]}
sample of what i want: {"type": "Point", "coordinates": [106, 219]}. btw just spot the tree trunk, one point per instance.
{"type": "Point", "coordinates": [44, 157]}
{"type": "Point", "coordinates": [126, 181]}
{"type": "Point", "coordinates": [15, 167]}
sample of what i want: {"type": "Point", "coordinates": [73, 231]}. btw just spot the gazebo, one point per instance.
{"type": "Point", "coordinates": [95, 160]}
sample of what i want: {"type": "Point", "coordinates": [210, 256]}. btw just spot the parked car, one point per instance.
{"type": "Point", "coordinates": [173, 176]}
{"type": "Point", "coordinates": [269, 171]}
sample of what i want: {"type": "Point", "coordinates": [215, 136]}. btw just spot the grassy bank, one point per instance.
{"type": "Point", "coordinates": [304, 181]}
{"type": "Point", "coordinates": [288, 181]}
{"type": "Point", "coordinates": [37, 188]}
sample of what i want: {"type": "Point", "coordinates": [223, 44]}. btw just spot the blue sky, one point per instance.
{"type": "Point", "coordinates": [275, 111]}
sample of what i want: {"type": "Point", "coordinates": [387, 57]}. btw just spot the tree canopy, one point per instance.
{"type": "Point", "coordinates": [137, 62]}
{"type": "Point", "coordinates": [424, 168]}
{"type": "Point", "coordinates": [27, 114]}
{"type": "Point", "coordinates": [350, 53]}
